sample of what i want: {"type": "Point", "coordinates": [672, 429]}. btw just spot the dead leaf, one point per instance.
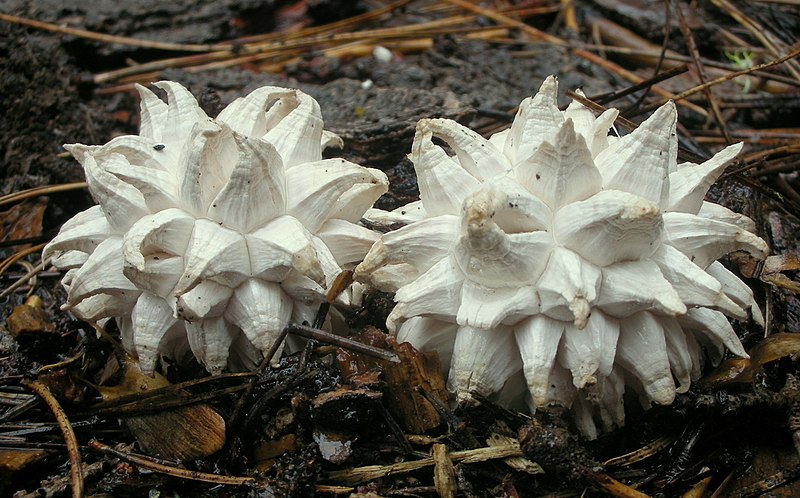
{"type": "Point", "coordinates": [405, 381]}
{"type": "Point", "coordinates": [29, 317]}
{"type": "Point", "coordinates": [184, 433]}
{"type": "Point", "coordinates": [24, 220]}
{"type": "Point", "coordinates": [743, 370]}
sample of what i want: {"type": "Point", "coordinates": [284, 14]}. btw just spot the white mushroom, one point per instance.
{"type": "Point", "coordinates": [212, 234]}
{"type": "Point", "coordinates": [555, 251]}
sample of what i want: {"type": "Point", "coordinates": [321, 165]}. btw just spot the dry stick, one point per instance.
{"type": "Point", "coordinates": [171, 389]}
{"type": "Point", "coordinates": [701, 72]}
{"type": "Point", "coordinates": [265, 49]}
{"type": "Point", "coordinates": [614, 487]}
{"type": "Point", "coordinates": [39, 191]}
{"type": "Point", "coordinates": [683, 154]}
{"type": "Point", "coordinates": [238, 409]}
{"type": "Point", "coordinates": [25, 278]}
{"type": "Point", "coordinates": [6, 264]}
{"type": "Point", "coordinates": [76, 474]}
{"type": "Point", "coordinates": [593, 58]}
{"type": "Point", "coordinates": [751, 161]}
{"type": "Point", "coordinates": [658, 78]}
{"type": "Point", "coordinates": [642, 453]}
{"type": "Point", "coordinates": [758, 31]}
{"type": "Point", "coordinates": [371, 472]}
{"type": "Point", "coordinates": [330, 27]}
{"type": "Point", "coordinates": [120, 40]}
{"type": "Point", "coordinates": [721, 79]}
{"type": "Point", "coordinates": [342, 342]}
{"type": "Point", "coordinates": [191, 475]}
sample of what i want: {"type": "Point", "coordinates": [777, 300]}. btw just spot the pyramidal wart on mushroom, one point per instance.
{"type": "Point", "coordinates": [211, 234]}
{"type": "Point", "coordinates": [558, 258]}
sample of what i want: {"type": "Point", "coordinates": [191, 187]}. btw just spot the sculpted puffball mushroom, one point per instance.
{"type": "Point", "coordinates": [559, 259]}
{"type": "Point", "coordinates": [210, 235]}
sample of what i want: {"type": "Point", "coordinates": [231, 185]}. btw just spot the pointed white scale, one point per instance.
{"type": "Point", "coordinates": [583, 417]}
{"type": "Point", "coordinates": [152, 112]}
{"type": "Point", "coordinates": [261, 309]}
{"type": "Point", "coordinates": [582, 118]}
{"type": "Point", "coordinates": [639, 163]}
{"type": "Point", "coordinates": [483, 360]}
{"type": "Point", "coordinates": [443, 183]}
{"type": "Point", "coordinates": [302, 289]}
{"type": "Point", "coordinates": [593, 130]}
{"type": "Point", "coordinates": [204, 165]}
{"type": "Point", "coordinates": [689, 184]}
{"type": "Point", "coordinates": [282, 244]}
{"type": "Point", "coordinates": [102, 274]}
{"type": "Point", "coordinates": [165, 232]}
{"type": "Point", "coordinates": [560, 172]}
{"type": "Point", "coordinates": [515, 208]}
{"type": "Point", "coordinates": [330, 268]}
{"type": "Point", "coordinates": [589, 352]}
{"type": "Point", "coordinates": [610, 227]}
{"type": "Point", "coordinates": [475, 154]}
{"type": "Point", "coordinates": [635, 286]}
{"type": "Point", "coordinates": [153, 250]}
{"type": "Point", "coordinates": [721, 213]}
{"type": "Point", "coordinates": [151, 319]}
{"type": "Point", "coordinates": [211, 340]}
{"type": "Point", "coordinates": [102, 306]}
{"type": "Point", "coordinates": [207, 299]}
{"type": "Point", "coordinates": [704, 241]}
{"type": "Point", "coordinates": [430, 334]}
{"type": "Point", "coordinates": [680, 358]}
{"type": "Point", "coordinates": [67, 259]}
{"type": "Point", "coordinates": [489, 255]}
{"type": "Point", "coordinates": [159, 188]}
{"type": "Point", "coordinates": [715, 327]}
{"type": "Point", "coordinates": [255, 190]}
{"type": "Point", "coordinates": [611, 406]}
{"type": "Point", "coordinates": [736, 290]}
{"type": "Point", "coordinates": [694, 286]}
{"type": "Point", "coordinates": [182, 113]}
{"type": "Point", "coordinates": [538, 338]}
{"type": "Point", "coordinates": [352, 205]}
{"type": "Point", "coordinates": [248, 115]}
{"type": "Point", "coordinates": [294, 127]}
{"type": "Point", "coordinates": [436, 293]}
{"type": "Point", "coordinates": [216, 253]}
{"type": "Point", "coordinates": [314, 190]}
{"type": "Point", "coordinates": [347, 241]}
{"type": "Point", "coordinates": [121, 202]}
{"type": "Point", "coordinates": [142, 152]}
{"type": "Point", "coordinates": [390, 277]}
{"type": "Point", "coordinates": [419, 245]}
{"type": "Point", "coordinates": [83, 232]}
{"type": "Point", "coordinates": [560, 390]}
{"type": "Point", "coordinates": [568, 287]}
{"type": "Point", "coordinates": [642, 350]}
{"type": "Point", "coordinates": [485, 307]}
{"type": "Point", "coordinates": [537, 120]}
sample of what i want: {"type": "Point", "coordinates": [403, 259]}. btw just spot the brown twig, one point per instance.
{"type": "Point", "coordinates": [371, 472]}
{"type": "Point", "coordinates": [24, 279]}
{"type": "Point", "coordinates": [766, 38]}
{"type": "Point", "coordinates": [191, 475]}
{"type": "Point", "coordinates": [76, 474]}
{"type": "Point", "coordinates": [39, 191]}
{"type": "Point", "coordinates": [342, 342]}
{"type": "Point", "coordinates": [701, 72]}
{"type": "Point", "coordinates": [119, 40]}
